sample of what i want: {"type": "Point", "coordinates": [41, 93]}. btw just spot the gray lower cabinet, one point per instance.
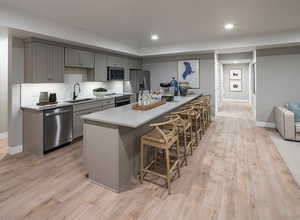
{"type": "Point", "coordinates": [78, 58]}
{"type": "Point", "coordinates": [88, 108]}
{"type": "Point", "coordinates": [43, 63]}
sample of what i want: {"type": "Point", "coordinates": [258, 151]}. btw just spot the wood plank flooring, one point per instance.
{"type": "Point", "coordinates": [235, 174]}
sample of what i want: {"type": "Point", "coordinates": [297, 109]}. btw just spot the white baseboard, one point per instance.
{"type": "Point", "coordinates": [15, 149]}
{"type": "Point", "coordinates": [236, 100]}
{"type": "Point", "coordinates": [265, 124]}
{"type": "Point", "coordinates": [3, 135]}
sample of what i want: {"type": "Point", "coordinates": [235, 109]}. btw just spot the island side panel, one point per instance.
{"type": "Point", "coordinates": [129, 155]}
{"type": "Point", "coordinates": [101, 154]}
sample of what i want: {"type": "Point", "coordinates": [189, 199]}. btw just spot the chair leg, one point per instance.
{"type": "Point", "coordinates": [168, 171]}
{"type": "Point", "coordinates": [155, 158]}
{"type": "Point", "coordinates": [184, 150]}
{"type": "Point", "coordinates": [142, 163]}
{"type": "Point", "coordinates": [178, 156]}
{"type": "Point", "coordinates": [191, 139]}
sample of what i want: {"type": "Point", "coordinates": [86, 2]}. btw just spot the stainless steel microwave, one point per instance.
{"type": "Point", "coordinates": [115, 73]}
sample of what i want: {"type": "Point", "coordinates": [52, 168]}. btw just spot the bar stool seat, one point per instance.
{"type": "Point", "coordinates": [156, 136]}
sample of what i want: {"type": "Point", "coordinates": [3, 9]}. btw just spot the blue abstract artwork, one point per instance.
{"type": "Point", "coordinates": [188, 71]}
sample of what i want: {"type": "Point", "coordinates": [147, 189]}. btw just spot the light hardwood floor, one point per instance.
{"type": "Point", "coordinates": [235, 174]}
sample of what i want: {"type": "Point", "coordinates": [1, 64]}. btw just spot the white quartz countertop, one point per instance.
{"type": "Point", "coordinates": [128, 117]}
{"type": "Point", "coordinates": [64, 103]}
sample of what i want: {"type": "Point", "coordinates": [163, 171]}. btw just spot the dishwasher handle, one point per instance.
{"type": "Point", "coordinates": [57, 113]}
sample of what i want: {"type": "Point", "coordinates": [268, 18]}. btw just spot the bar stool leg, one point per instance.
{"type": "Point", "coordinates": [142, 163]}
{"type": "Point", "coordinates": [168, 170]}
{"type": "Point", "coordinates": [178, 156]}
{"type": "Point", "coordinates": [191, 136]}
{"type": "Point", "coordinates": [184, 150]}
{"type": "Point", "coordinates": [155, 158]}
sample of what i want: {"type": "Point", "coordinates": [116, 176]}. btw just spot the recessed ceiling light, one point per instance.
{"type": "Point", "coordinates": [154, 37]}
{"type": "Point", "coordinates": [235, 62]}
{"type": "Point", "coordinates": [229, 26]}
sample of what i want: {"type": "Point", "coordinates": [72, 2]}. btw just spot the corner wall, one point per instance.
{"type": "Point", "coordinates": [278, 80]}
{"type": "Point", "coordinates": [3, 83]}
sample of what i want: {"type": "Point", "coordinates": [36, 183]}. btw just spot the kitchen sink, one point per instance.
{"type": "Point", "coordinates": [78, 100]}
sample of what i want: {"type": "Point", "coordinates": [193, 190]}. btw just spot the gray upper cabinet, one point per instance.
{"type": "Point", "coordinates": [43, 63]}
{"type": "Point", "coordinates": [130, 63]}
{"type": "Point", "coordinates": [115, 61]}
{"type": "Point", "coordinates": [78, 58]}
{"type": "Point", "coordinates": [134, 63]}
{"type": "Point", "coordinates": [99, 73]}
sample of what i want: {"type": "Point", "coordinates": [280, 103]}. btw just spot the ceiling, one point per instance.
{"type": "Point", "coordinates": [177, 22]}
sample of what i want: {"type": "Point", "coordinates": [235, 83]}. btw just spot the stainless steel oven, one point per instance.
{"type": "Point", "coordinates": [115, 73]}
{"type": "Point", "coordinates": [58, 127]}
{"type": "Point", "coordinates": [122, 100]}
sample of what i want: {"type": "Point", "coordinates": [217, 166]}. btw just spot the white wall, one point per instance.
{"type": "Point", "coordinates": [244, 94]}
{"type": "Point", "coordinates": [4, 44]}
{"type": "Point", "coordinates": [278, 82]}
{"type": "Point", "coordinates": [161, 72]}
{"type": "Point", "coordinates": [16, 77]}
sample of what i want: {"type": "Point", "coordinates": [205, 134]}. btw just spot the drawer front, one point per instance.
{"type": "Point", "coordinates": [104, 107]}
{"type": "Point", "coordinates": [108, 102]}
{"type": "Point", "coordinates": [86, 106]}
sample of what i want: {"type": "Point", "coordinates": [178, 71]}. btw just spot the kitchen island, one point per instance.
{"type": "Point", "coordinates": [111, 142]}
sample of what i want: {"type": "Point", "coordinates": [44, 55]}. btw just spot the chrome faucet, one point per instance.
{"type": "Point", "coordinates": [74, 90]}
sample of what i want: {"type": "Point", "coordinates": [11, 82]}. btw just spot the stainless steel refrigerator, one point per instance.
{"type": "Point", "coordinates": [139, 79]}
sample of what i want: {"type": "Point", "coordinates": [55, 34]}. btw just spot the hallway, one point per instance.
{"type": "Point", "coordinates": [235, 174]}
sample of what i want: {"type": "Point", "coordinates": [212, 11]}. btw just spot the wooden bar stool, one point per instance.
{"type": "Point", "coordinates": [195, 115]}
{"type": "Point", "coordinates": [185, 133]}
{"type": "Point", "coordinates": [163, 136]}
{"type": "Point", "coordinates": [206, 99]}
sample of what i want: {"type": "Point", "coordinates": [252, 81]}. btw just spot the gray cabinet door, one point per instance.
{"type": "Point", "coordinates": [43, 63]}
{"type": "Point", "coordinates": [86, 59]}
{"type": "Point", "coordinates": [100, 68]}
{"type": "Point", "coordinates": [115, 61]}
{"type": "Point", "coordinates": [39, 62]}
{"type": "Point", "coordinates": [55, 64]}
{"type": "Point", "coordinates": [134, 63]}
{"type": "Point", "coordinates": [126, 69]}
{"type": "Point", "coordinates": [72, 57]}
{"type": "Point", "coordinates": [78, 58]}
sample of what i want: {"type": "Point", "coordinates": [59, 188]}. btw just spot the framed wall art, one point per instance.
{"type": "Point", "coordinates": [188, 71]}
{"type": "Point", "coordinates": [235, 74]}
{"type": "Point", "coordinates": [235, 85]}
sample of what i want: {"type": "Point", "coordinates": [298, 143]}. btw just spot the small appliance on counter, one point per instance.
{"type": "Point", "coordinates": [166, 93]}
{"type": "Point", "coordinates": [45, 99]}
{"type": "Point", "coordinates": [52, 97]}
{"type": "Point", "coordinates": [183, 88]}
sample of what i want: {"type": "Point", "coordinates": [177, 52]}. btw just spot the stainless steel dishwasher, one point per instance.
{"type": "Point", "coordinates": [58, 127]}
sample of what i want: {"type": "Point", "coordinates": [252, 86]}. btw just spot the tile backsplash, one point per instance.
{"type": "Point", "coordinates": [30, 92]}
